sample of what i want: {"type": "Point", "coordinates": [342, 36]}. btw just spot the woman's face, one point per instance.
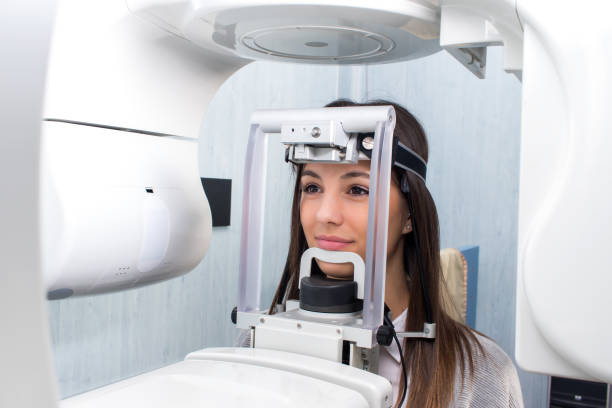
{"type": "Point", "coordinates": [334, 212]}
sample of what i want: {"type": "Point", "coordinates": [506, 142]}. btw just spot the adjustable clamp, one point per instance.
{"type": "Point", "coordinates": [384, 334]}
{"type": "Point", "coordinates": [429, 332]}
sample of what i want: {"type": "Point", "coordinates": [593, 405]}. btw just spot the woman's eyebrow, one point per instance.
{"type": "Point", "coordinates": [352, 174]}
{"type": "Point", "coordinates": [311, 174]}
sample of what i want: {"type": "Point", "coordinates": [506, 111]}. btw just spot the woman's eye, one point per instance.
{"type": "Point", "coordinates": [310, 188]}
{"type": "Point", "coordinates": [358, 190]}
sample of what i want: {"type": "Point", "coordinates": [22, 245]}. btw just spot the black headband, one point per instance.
{"type": "Point", "coordinates": [403, 157]}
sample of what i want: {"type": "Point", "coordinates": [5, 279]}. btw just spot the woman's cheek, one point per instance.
{"type": "Point", "coordinates": [306, 219]}
{"type": "Point", "coordinates": [357, 217]}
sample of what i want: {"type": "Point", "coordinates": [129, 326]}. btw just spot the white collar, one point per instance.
{"type": "Point", "coordinates": [399, 323]}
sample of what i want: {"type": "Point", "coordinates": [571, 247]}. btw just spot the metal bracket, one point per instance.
{"type": "Point", "coordinates": [324, 133]}
{"type": "Point", "coordinates": [474, 59]}
{"type": "Point", "coordinates": [429, 332]}
{"type": "Point", "coordinates": [324, 142]}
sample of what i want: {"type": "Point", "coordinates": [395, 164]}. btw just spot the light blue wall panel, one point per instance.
{"type": "Point", "coordinates": [473, 128]}
{"type": "Point", "coordinates": [102, 339]}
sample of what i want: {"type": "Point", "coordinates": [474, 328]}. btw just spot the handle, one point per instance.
{"type": "Point", "coordinates": [334, 257]}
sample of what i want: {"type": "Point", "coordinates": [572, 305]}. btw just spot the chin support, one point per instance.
{"type": "Point", "coordinates": [324, 295]}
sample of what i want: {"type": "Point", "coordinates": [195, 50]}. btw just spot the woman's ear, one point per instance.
{"type": "Point", "coordinates": [407, 226]}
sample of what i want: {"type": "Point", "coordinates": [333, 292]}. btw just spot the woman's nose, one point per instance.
{"type": "Point", "coordinates": [330, 210]}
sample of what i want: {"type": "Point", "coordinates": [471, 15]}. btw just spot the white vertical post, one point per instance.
{"type": "Point", "coordinates": [253, 220]}
{"type": "Point", "coordinates": [378, 223]}
{"type": "Point", "coordinates": [26, 371]}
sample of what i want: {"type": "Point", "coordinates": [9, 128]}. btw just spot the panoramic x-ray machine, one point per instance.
{"type": "Point", "coordinates": [108, 196]}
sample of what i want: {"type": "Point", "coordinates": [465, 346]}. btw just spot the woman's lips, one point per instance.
{"type": "Point", "coordinates": [332, 243]}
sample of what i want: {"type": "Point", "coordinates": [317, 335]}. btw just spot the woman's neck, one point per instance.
{"type": "Point", "coordinates": [396, 284]}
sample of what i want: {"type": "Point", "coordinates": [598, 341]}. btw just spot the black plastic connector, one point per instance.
{"type": "Point", "coordinates": [384, 335]}
{"type": "Point", "coordinates": [234, 316]}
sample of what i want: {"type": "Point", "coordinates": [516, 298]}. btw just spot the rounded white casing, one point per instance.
{"type": "Point", "coordinates": [124, 105]}
{"type": "Point", "coordinates": [565, 228]}
{"type": "Point", "coordinates": [121, 209]}
{"type": "Point", "coordinates": [110, 67]}
{"type": "Point", "coordinates": [563, 283]}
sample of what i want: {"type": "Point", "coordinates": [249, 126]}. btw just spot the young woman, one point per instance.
{"type": "Point", "coordinates": [460, 368]}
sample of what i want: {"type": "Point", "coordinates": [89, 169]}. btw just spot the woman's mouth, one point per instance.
{"type": "Point", "coordinates": [332, 243]}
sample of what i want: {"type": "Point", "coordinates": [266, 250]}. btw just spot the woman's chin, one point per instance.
{"type": "Point", "coordinates": [342, 271]}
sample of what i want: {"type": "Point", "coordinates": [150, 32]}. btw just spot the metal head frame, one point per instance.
{"type": "Point", "coordinates": [334, 124]}
{"type": "Point", "coordinates": [327, 135]}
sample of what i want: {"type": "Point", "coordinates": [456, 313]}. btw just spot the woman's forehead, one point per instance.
{"type": "Point", "coordinates": [334, 169]}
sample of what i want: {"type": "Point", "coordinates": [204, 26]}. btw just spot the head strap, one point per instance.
{"type": "Point", "coordinates": [403, 157]}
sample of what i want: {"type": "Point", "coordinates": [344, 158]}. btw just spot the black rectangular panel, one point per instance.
{"type": "Point", "coordinates": [219, 194]}
{"type": "Point", "coordinates": [569, 393]}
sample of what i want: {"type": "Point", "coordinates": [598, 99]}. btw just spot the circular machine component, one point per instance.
{"type": "Point", "coordinates": [319, 294]}
{"type": "Point", "coordinates": [330, 32]}
{"type": "Point", "coordinates": [326, 43]}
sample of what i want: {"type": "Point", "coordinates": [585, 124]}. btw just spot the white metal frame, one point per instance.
{"type": "Point", "coordinates": [377, 119]}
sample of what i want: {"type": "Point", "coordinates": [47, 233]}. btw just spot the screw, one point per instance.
{"type": "Point", "coordinates": [316, 132]}
{"type": "Point", "coordinates": [338, 331]}
{"type": "Point", "coordinates": [299, 325]}
{"type": "Point", "coordinates": [262, 320]}
{"type": "Point", "coordinates": [368, 143]}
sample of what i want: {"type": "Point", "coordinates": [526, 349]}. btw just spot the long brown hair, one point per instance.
{"type": "Point", "coordinates": [431, 365]}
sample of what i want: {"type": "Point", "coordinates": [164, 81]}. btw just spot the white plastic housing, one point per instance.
{"type": "Point", "coordinates": [26, 365]}
{"type": "Point", "coordinates": [113, 70]}
{"type": "Point", "coordinates": [477, 23]}
{"type": "Point", "coordinates": [239, 377]}
{"type": "Point", "coordinates": [565, 227]}
{"type": "Point", "coordinates": [119, 209]}
{"type": "Point", "coordinates": [110, 67]}
{"type": "Point", "coordinates": [314, 32]}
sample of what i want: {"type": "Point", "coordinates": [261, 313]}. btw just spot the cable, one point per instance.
{"type": "Point", "coordinates": [428, 315]}
{"type": "Point", "coordinates": [403, 370]}
{"type": "Point", "coordinates": [401, 353]}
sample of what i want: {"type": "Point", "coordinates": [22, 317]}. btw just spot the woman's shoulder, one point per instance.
{"type": "Point", "coordinates": [490, 356]}
{"type": "Point", "coordinates": [494, 381]}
